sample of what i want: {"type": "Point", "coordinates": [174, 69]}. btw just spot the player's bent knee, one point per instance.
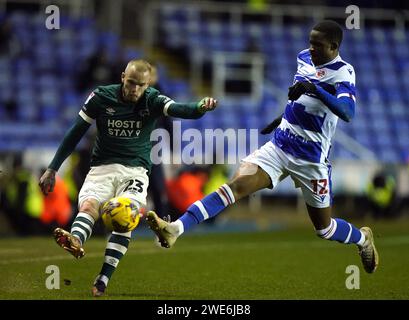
{"type": "Point", "coordinates": [248, 169]}
{"type": "Point", "coordinates": [248, 179]}
{"type": "Point", "coordinates": [239, 186]}
{"type": "Point", "coordinates": [91, 207]}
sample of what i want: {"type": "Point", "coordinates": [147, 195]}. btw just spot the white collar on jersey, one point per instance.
{"type": "Point", "coordinates": [338, 57]}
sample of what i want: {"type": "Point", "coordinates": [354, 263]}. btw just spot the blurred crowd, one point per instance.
{"type": "Point", "coordinates": [29, 212]}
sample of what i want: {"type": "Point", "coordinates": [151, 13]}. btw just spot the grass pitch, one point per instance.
{"type": "Point", "coordinates": [285, 264]}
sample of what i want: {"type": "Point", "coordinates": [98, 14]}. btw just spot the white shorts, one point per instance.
{"type": "Point", "coordinates": [314, 179]}
{"type": "Point", "coordinates": [112, 180]}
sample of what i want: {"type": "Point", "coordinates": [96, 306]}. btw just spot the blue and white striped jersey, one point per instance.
{"type": "Point", "coordinates": [308, 125]}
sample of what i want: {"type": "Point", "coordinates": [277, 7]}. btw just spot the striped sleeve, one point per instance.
{"type": "Point", "coordinates": [345, 83]}
{"type": "Point", "coordinates": [89, 110]}
{"type": "Point", "coordinates": [163, 102]}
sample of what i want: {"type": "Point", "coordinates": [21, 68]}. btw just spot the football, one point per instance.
{"type": "Point", "coordinates": [120, 214]}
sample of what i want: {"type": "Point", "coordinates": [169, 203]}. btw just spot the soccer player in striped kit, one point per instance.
{"type": "Point", "coordinates": [125, 115]}
{"type": "Point", "coordinates": [323, 91]}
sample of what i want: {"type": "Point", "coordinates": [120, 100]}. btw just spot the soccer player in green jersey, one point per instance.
{"type": "Point", "coordinates": [125, 116]}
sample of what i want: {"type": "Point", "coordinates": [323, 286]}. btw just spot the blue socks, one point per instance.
{"type": "Point", "coordinates": [214, 203]}
{"type": "Point", "coordinates": [342, 231]}
{"type": "Point", "coordinates": [208, 207]}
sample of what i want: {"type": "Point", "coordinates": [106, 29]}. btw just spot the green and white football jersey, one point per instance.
{"type": "Point", "coordinates": [123, 128]}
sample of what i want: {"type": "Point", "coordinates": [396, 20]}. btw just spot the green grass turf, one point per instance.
{"type": "Point", "coordinates": [287, 264]}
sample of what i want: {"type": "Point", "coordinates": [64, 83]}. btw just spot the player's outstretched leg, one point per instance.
{"type": "Point", "coordinates": [248, 179]}
{"type": "Point", "coordinates": [73, 241]}
{"type": "Point", "coordinates": [199, 211]}
{"type": "Point", "coordinates": [116, 248]}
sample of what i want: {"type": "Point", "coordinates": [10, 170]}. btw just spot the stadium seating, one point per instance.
{"type": "Point", "coordinates": [42, 77]}
{"type": "Point", "coordinates": [380, 56]}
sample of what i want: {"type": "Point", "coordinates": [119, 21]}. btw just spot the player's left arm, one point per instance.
{"type": "Point", "coordinates": [342, 103]}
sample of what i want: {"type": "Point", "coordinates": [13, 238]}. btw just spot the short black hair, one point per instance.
{"type": "Point", "coordinates": [331, 29]}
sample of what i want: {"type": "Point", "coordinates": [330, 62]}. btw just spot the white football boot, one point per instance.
{"type": "Point", "coordinates": [166, 232]}
{"type": "Point", "coordinates": [368, 253]}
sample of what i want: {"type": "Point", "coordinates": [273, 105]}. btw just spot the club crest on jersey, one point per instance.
{"type": "Point", "coordinates": [320, 73]}
{"type": "Point", "coordinates": [110, 111]}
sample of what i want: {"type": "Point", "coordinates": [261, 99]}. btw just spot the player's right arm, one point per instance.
{"type": "Point", "coordinates": [68, 144]}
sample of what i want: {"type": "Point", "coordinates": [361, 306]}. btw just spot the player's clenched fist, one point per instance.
{"type": "Point", "coordinates": [207, 104]}
{"type": "Point", "coordinates": [47, 181]}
